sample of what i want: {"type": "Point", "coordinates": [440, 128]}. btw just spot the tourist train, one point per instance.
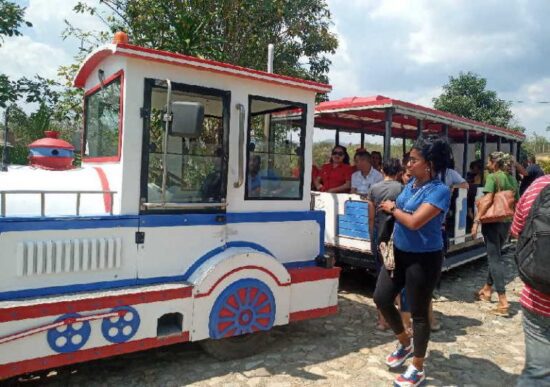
{"type": "Point", "coordinates": [172, 229]}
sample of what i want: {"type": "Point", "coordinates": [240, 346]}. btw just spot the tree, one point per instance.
{"type": "Point", "coordinates": [11, 19]}
{"type": "Point", "coordinates": [233, 31]}
{"type": "Point", "coordinates": [466, 96]}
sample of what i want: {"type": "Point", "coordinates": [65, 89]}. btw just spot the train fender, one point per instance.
{"type": "Point", "coordinates": [234, 267]}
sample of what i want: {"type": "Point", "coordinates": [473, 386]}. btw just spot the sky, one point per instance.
{"type": "Point", "coordinates": [404, 49]}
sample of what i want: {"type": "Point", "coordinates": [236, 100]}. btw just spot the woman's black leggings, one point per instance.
{"type": "Point", "coordinates": [418, 273]}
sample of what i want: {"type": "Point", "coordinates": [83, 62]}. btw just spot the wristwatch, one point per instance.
{"type": "Point", "coordinates": [392, 210]}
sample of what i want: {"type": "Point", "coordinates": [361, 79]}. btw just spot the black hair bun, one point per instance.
{"type": "Point", "coordinates": [435, 149]}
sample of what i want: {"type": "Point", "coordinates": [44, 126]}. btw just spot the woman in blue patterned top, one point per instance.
{"type": "Point", "coordinates": [419, 212]}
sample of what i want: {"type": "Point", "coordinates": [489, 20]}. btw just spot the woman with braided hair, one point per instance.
{"type": "Point", "coordinates": [418, 250]}
{"type": "Point", "coordinates": [500, 178]}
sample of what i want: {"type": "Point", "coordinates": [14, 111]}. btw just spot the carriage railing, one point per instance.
{"type": "Point", "coordinates": [4, 195]}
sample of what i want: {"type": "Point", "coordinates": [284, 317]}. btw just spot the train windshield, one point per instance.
{"type": "Point", "coordinates": [102, 121]}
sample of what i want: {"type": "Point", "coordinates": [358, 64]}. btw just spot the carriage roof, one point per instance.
{"type": "Point", "coordinates": [367, 114]}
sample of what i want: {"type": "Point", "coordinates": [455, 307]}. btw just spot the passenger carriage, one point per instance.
{"type": "Point", "coordinates": [347, 236]}
{"type": "Point", "coordinates": [159, 238]}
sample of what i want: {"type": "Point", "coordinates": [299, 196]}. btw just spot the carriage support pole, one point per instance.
{"type": "Point", "coordinates": [387, 133]}
{"type": "Point", "coordinates": [465, 152]}
{"type": "Point", "coordinates": [483, 153]}
{"type": "Point", "coordinates": [419, 127]}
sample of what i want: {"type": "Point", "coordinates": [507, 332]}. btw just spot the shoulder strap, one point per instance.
{"type": "Point", "coordinates": [497, 182]}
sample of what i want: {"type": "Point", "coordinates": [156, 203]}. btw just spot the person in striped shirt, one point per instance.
{"type": "Point", "coordinates": [535, 305]}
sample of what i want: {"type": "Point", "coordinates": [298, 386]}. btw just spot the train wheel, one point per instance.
{"type": "Point", "coordinates": [70, 337]}
{"type": "Point", "coordinates": [243, 311]}
{"type": "Point", "coordinates": [121, 329]}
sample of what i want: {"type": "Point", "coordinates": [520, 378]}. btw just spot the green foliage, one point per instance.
{"type": "Point", "coordinates": [535, 145]}
{"type": "Point", "coordinates": [18, 154]}
{"type": "Point", "coordinates": [233, 31]}
{"type": "Point", "coordinates": [466, 96]}
{"type": "Point", "coordinates": [545, 165]}
{"type": "Point", "coordinates": [11, 19]}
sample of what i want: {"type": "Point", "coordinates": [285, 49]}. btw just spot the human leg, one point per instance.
{"type": "Point", "coordinates": [387, 288]}
{"type": "Point", "coordinates": [492, 232]}
{"type": "Point", "coordinates": [421, 278]}
{"type": "Point", "coordinates": [537, 351]}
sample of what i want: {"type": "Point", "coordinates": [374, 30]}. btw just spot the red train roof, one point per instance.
{"type": "Point", "coordinates": [367, 114]}
{"type": "Point", "coordinates": [150, 54]}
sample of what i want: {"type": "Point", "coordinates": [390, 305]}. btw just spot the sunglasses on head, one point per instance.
{"type": "Point", "coordinates": [337, 153]}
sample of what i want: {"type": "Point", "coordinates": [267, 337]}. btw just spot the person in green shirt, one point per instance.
{"type": "Point", "coordinates": [500, 178]}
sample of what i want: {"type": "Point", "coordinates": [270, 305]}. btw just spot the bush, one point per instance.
{"type": "Point", "coordinates": [545, 165]}
{"type": "Point", "coordinates": [17, 155]}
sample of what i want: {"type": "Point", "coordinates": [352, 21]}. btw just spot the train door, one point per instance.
{"type": "Point", "coordinates": [183, 182]}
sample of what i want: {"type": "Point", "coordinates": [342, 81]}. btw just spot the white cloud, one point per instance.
{"type": "Point", "coordinates": [408, 49]}
{"type": "Point", "coordinates": [530, 106]}
{"type": "Point", "coordinates": [41, 49]}
{"type": "Point", "coordinates": [47, 16]}
{"type": "Point", "coordinates": [23, 56]}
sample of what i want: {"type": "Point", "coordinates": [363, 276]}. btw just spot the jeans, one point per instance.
{"type": "Point", "coordinates": [417, 273]}
{"type": "Point", "coordinates": [537, 351]}
{"type": "Point", "coordinates": [495, 235]}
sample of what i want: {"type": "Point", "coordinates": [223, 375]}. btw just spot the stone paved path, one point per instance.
{"type": "Point", "coordinates": [473, 348]}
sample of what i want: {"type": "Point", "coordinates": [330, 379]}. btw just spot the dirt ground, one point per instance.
{"type": "Point", "coordinates": [472, 348]}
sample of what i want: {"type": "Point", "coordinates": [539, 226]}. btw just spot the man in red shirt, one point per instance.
{"type": "Point", "coordinates": [535, 305]}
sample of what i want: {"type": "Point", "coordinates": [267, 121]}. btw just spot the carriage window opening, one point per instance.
{"type": "Point", "coordinates": [102, 109]}
{"type": "Point", "coordinates": [275, 153]}
{"type": "Point", "coordinates": [195, 166]}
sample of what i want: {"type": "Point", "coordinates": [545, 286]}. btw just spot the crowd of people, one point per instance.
{"type": "Point", "coordinates": [409, 203]}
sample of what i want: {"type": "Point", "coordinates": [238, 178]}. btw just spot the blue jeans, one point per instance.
{"type": "Point", "coordinates": [537, 351]}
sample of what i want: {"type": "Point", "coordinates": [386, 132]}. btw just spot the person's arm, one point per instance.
{"type": "Point", "coordinates": [457, 181]}
{"type": "Point", "coordinates": [414, 221]}
{"type": "Point", "coordinates": [317, 183]}
{"type": "Point", "coordinates": [371, 218]}
{"type": "Point", "coordinates": [519, 219]}
{"type": "Point", "coordinates": [344, 188]}
{"type": "Point", "coordinates": [464, 185]}
{"type": "Point", "coordinates": [521, 170]}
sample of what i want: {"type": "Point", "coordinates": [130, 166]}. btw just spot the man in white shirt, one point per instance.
{"type": "Point", "coordinates": [365, 176]}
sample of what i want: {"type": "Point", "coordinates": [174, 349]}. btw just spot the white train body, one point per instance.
{"type": "Point", "coordinates": [93, 263]}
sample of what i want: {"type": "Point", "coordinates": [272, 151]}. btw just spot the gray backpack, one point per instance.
{"type": "Point", "coordinates": [533, 248]}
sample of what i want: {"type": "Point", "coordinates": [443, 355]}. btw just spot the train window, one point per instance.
{"type": "Point", "coordinates": [196, 168]}
{"type": "Point", "coordinates": [275, 153]}
{"type": "Point", "coordinates": [102, 122]}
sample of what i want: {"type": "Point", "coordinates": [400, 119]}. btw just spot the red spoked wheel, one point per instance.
{"type": "Point", "coordinates": [245, 306]}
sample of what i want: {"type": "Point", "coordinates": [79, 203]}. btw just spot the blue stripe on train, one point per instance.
{"type": "Point", "coordinates": [133, 221]}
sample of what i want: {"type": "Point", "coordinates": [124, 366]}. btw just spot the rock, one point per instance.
{"type": "Point", "coordinates": [258, 372]}
{"type": "Point", "coordinates": [253, 364]}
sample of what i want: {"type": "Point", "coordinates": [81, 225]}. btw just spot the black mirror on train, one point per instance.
{"type": "Point", "coordinates": [187, 119]}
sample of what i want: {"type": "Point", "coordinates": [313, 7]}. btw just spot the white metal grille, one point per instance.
{"type": "Point", "coordinates": [67, 256]}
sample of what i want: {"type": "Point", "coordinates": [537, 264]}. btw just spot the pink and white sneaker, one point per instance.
{"type": "Point", "coordinates": [410, 378]}
{"type": "Point", "coordinates": [399, 356]}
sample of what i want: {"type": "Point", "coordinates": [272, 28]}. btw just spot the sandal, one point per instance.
{"type": "Point", "coordinates": [502, 311]}
{"type": "Point", "coordinates": [481, 297]}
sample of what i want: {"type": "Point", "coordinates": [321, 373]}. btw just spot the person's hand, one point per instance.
{"type": "Point", "coordinates": [475, 228]}
{"type": "Point", "coordinates": [387, 206]}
